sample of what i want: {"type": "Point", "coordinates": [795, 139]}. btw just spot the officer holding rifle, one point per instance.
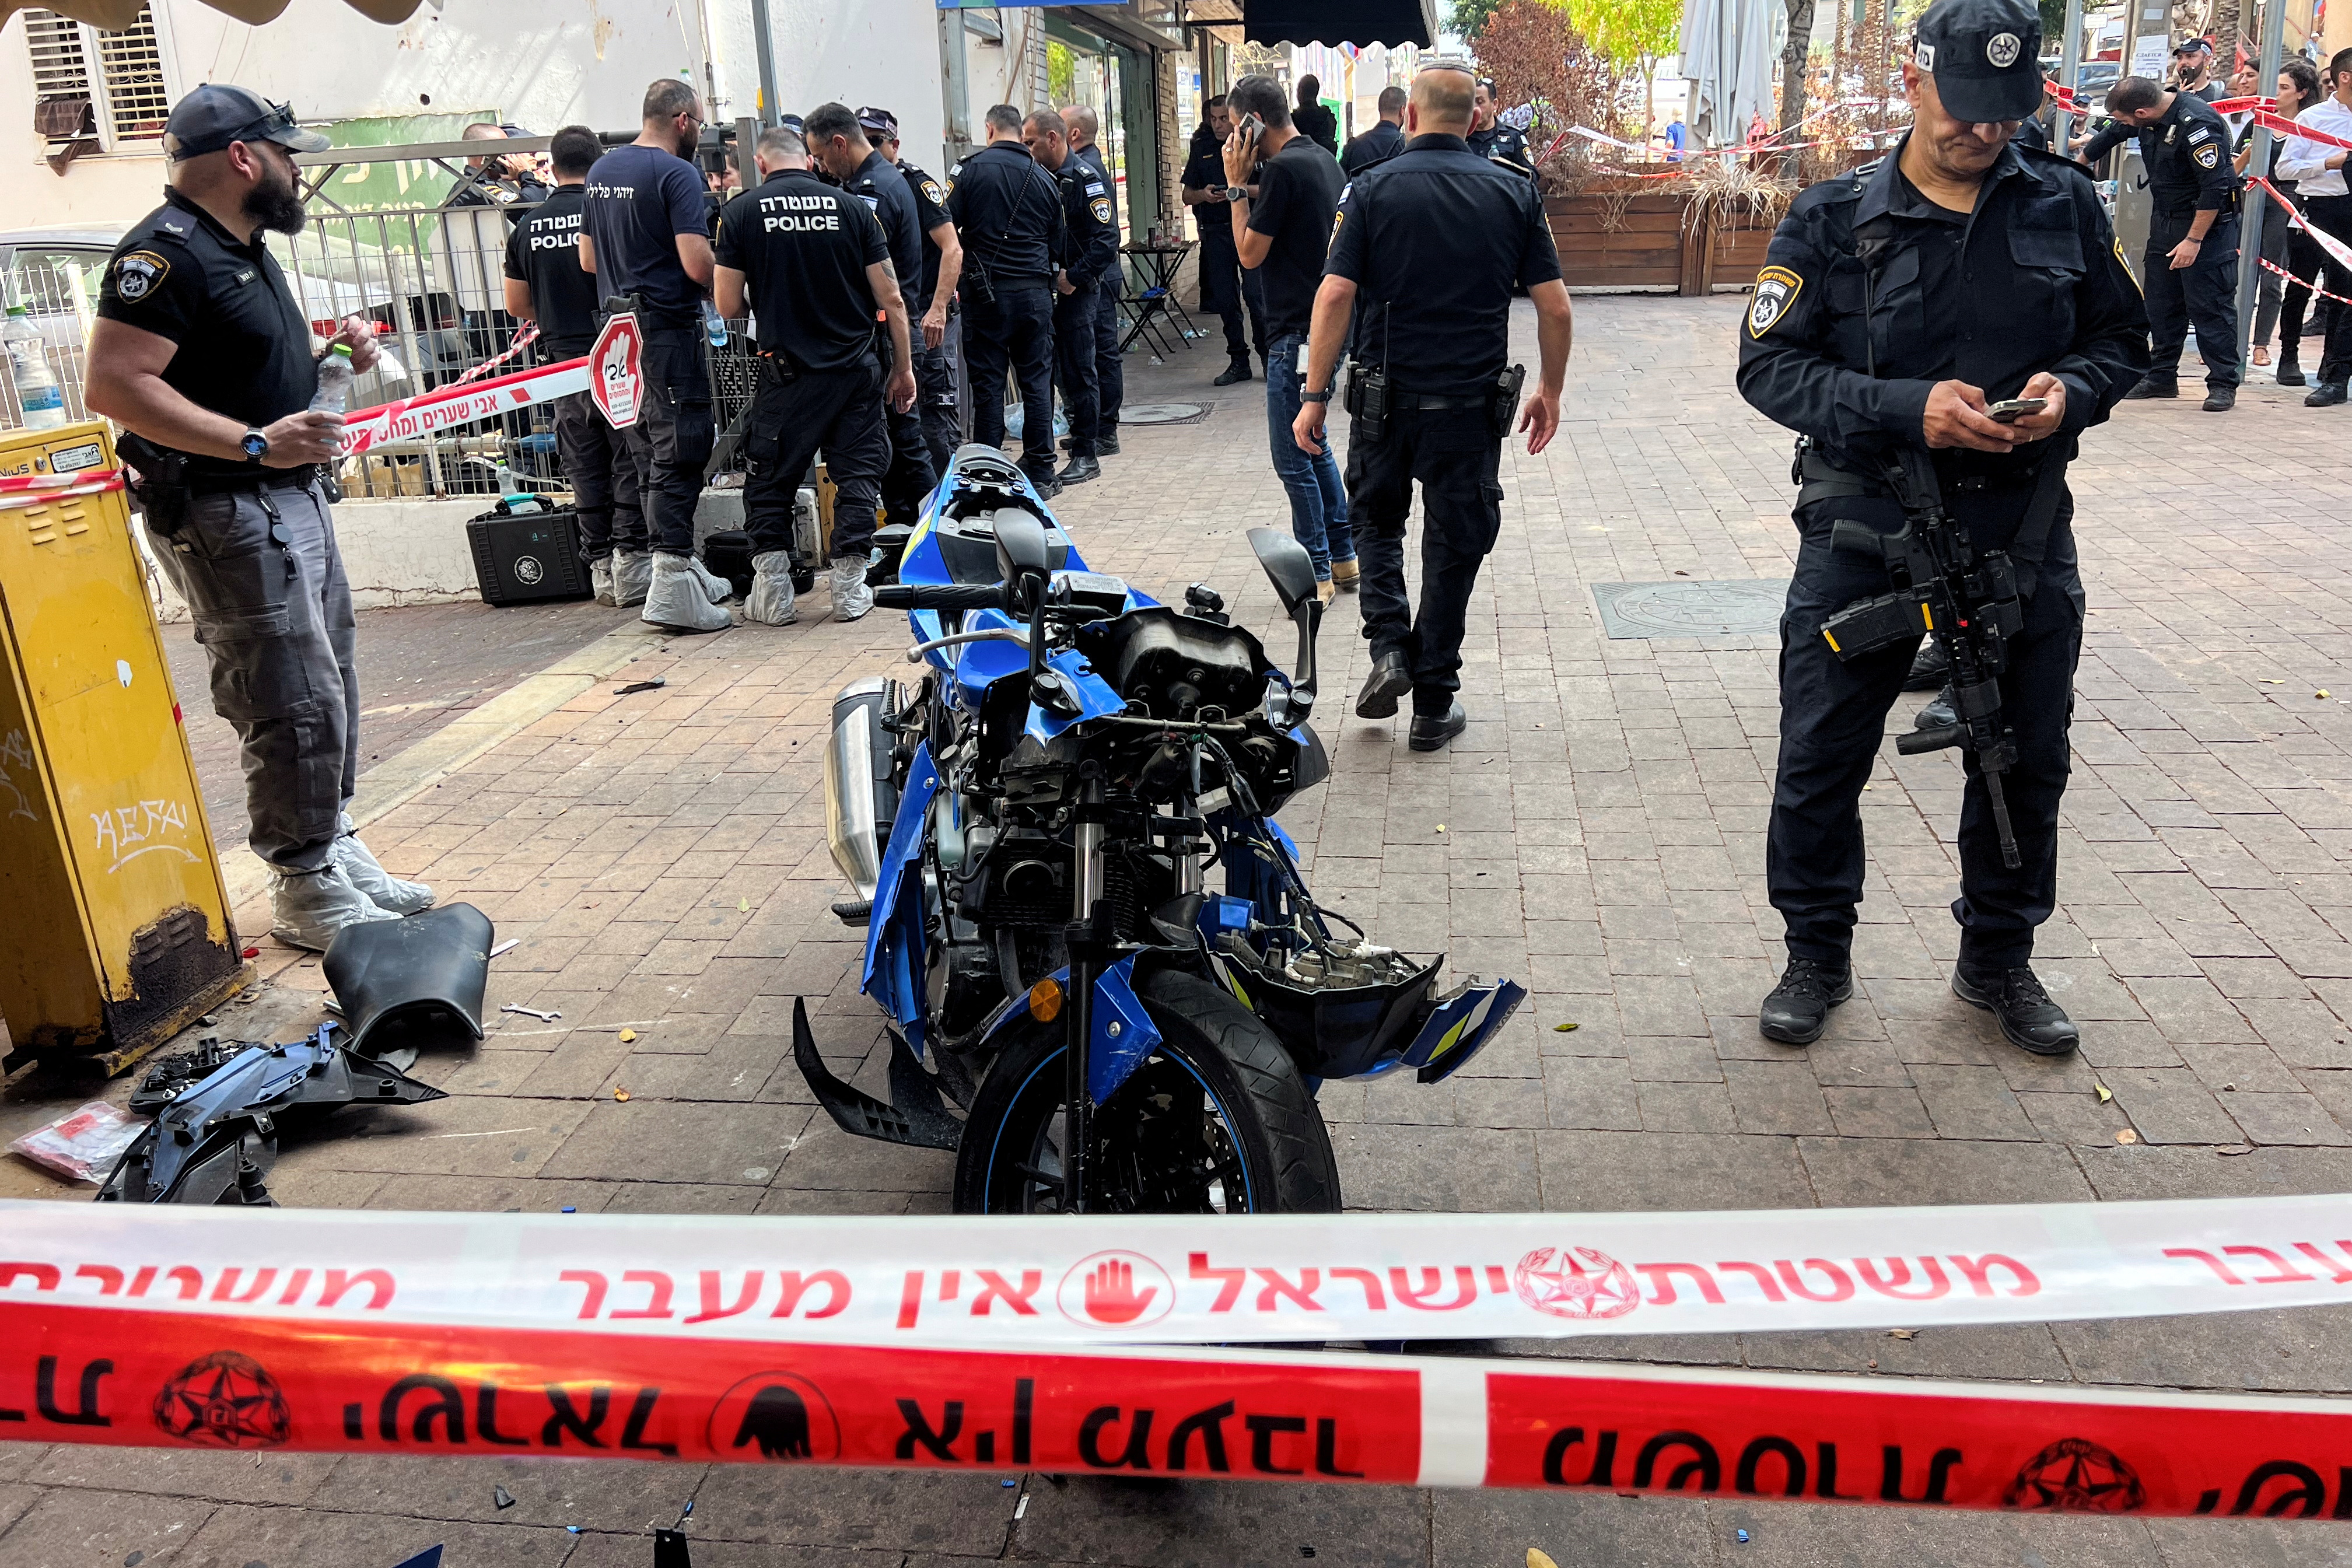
{"type": "Point", "coordinates": [1940, 327]}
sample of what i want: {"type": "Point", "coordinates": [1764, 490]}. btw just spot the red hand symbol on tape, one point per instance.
{"type": "Point", "coordinates": [1111, 1296]}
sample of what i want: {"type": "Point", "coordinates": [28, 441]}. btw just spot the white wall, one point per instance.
{"type": "Point", "coordinates": [539, 63]}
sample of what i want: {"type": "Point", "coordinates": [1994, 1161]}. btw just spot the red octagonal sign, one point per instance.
{"type": "Point", "coordinates": [616, 371]}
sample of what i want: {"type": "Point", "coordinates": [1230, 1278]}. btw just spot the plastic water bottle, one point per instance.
{"type": "Point", "coordinates": [714, 325]}
{"type": "Point", "coordinates": [38, 392]}
{"type": "Point", "coordinates": [335, 378]}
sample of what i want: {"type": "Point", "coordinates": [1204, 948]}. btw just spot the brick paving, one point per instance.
{"type": "Point", "coordinates": [1598, 830]}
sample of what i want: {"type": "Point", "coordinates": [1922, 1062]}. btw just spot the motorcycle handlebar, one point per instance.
{"type": "Point", "coordinates": [940, 596]}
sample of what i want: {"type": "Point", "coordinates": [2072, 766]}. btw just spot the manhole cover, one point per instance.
{"type": "Point", "coordinates": [1162, 412]}
{"type": "Point", "coordinates": [1748, 607]}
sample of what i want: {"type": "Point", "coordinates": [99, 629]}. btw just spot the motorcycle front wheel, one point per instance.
{"type": "Point", "coordinates": [1216, 1121]}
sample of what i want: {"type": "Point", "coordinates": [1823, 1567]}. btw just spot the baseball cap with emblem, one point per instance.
{"type": "Point", "coordinates": [1984, 57]}
{"type": "Point", "coordinates": [2193, 46]}
{"type": "Point", "coordinates": [880, 120]}
{"type": "Point", "coordinates": [217, 114]}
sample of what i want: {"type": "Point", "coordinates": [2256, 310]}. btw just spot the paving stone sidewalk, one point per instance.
{"type": "Point", "coordinates": [1598, 830]}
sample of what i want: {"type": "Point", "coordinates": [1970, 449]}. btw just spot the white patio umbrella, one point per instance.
{"type": "Point", "coordinates": [114, 16]}
{"type": "Point", "coordinates": [1731, 48]}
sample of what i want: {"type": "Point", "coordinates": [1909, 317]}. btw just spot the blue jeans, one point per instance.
{"type": "Point", "coordinates": [1318, 502]}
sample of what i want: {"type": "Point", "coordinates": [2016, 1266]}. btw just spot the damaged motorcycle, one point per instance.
{"type": "Point", "coordinates": [1033, 826]}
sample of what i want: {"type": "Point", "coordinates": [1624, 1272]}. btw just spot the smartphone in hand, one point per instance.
{"type": "Point", "coordinates": [2009, 411]}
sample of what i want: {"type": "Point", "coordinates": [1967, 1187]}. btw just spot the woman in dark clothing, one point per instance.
{"type": "Point", "coordinates": [2282, 303]}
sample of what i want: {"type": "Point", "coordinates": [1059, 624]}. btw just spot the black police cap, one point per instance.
{"type": "Point", "coordinates": [1984, 56]}
{"type": "Point", "coordinates": [217, 114]}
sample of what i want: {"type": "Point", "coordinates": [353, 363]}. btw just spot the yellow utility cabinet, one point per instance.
{"type": "Point", "coordinates": [114, 923]}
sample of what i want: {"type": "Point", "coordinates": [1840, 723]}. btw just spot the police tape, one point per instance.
{"type": "Point", "coordinates": [2336, 250]}
{"type": "Point", "coordinates": [41, 489]}
{"type": "Point", "coordinates": [1184, 1279]}
{"type": "Point", "coordinates": [463, 403]}
{"type": "Point", "coordinates": [140, 1376]}
{"type": "Point", "coordinates": [2303, 283]}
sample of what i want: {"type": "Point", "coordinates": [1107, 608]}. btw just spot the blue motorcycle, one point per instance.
{"type": "Point", "coordinates": [1031, 827]}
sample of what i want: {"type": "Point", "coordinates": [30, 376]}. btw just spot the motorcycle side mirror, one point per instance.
{"type": "Point", "coordinates": [1288, 566]}
{"type": "Point", "coordinates": [1292, 572]}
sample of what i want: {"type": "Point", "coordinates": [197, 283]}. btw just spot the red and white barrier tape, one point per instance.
{"type": "Point", "coordinates": [2282, 272]}
{"type": "Point", "coordinates": [522, 340]}
{"type": "Point", "coordinates": [145, 1377]}
{"type": "Point", "coordinates": [2337, 251]}
{"type": "Point", "coordinates": [461, 403]}
{"type": "Point", "coordinates": [1052, 1283]}
{"type": "Point", "coordinates": [41, 489]}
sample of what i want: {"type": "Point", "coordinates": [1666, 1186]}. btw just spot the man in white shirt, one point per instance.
{"type": "Point", "coordinates": [2318, 170]}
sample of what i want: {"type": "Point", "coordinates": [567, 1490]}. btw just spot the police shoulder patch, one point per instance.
{"type": "Point", "coordinates": [1101, 207]}
{"type": "Point", "coordinates": [938, 198]}
{"type": "Point", "coordinates": [1776, 289]}
{"type": "Point", "coordinates": [2209, 156]}
{"type": "Point", "coordinates": [139, 273]}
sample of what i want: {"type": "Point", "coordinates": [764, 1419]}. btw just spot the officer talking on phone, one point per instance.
{"type": "Point", "coordinates": [202, 355]}
{"type": "Point", "coordinates": [1962, 301]}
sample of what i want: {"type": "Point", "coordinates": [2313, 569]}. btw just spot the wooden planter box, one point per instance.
{"type": "Point", "coordinates": [1650, 248]}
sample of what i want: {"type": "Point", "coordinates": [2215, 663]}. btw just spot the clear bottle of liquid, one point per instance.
{"type": "Point", "coordinates": [38, 392]}
{"type": "Point", "coordinates": [335, 378]}
{"type": "Point", "coordinates": [714, 325]}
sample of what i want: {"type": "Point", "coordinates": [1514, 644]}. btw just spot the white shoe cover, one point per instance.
{"type": "Point", "coordinates": [718, 588]}
{"type": "Point", "coordinates": [851, 596]}
{"type": "Point", "coordinates": [633, 572]}
{"type": "Point", "coordinates": [382, 888]}
{"type": "Point", "coordinates": [599, 577]}
{"type": "Point", "coordinates": [308, 907]}
{"type": "Point", "coordinates": [770, 602]}
{"type": "Point", "coordinates": [676, 600]}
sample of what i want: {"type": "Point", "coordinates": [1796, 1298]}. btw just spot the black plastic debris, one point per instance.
{"type": "Point", "coordinates": [413, 982]}
{"type": "Point", "coordinates": [217, 1110]}
{"type": "Point", "coordinates": [501, 1496]}
{"type": "Point", "coordinates": [670, 1549]}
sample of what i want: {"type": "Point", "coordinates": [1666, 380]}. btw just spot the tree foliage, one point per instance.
{"type": "Point", "coordinates": [1632, 35]}
{"type": "Point", "coordinates": [1469, 17]}
{"type": "Point", "coordinates": [1537, 58]}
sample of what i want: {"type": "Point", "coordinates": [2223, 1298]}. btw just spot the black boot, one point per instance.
{"type": "Point", "coordinates": [2153, 387]}
{"type": "Point", "coordinates": [2290, 371]}
{"type": "Point", "coordinates": [2221, 399]}
{"type": "Point", "coordinates": [1082, 467]}
{"type": "Point", "coordinates": [2326, 394]}
{"type": "Point", "coordinates": [1798, 1009]}
{"type": "Point", "coordinates": [1937, 712]}
{"type": "Point", "coordinates": [2029, 1019]}
{"type": "Point", "coordinates": [1431, 731]}
{"type": "Point", "coordinates": [1931, 667]}
{"type": "Point", "coordinates": [1107, 443]}
{"type": "Point", "coordinates": [1389, 681]}
{"type": "Point", "coordinates": [1237, 371]}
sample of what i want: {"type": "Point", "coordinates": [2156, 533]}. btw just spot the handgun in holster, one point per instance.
{"type": "Point", "coordinates": [1505, 407]}
{"type": "Point", "coordinates": [1966, 601]}
{"type": "Point", "coordinates": [1369, 401]}
{"type": "Point", "coordinates": [162, 488]}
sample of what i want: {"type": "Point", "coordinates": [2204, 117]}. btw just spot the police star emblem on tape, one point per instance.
{"type": "Point", "coordinates": [1576, 1282]}
{"type": "Point", "coordinates": [139, 274]}
{"type": "Point", "coordinates": [1776, 291]}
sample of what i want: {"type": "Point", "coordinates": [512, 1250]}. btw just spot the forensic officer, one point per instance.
{"type": "Point", "coordinates": [1902, 301]}
{"type": "Point", "coordinates": [1493, 140]}
{"type": "Point", "coordinates": [1428, 248]}
{"type": "Point", "coordinates": [936, 349]}
{"type": "Point", "coordinates": [1009, 212]}
{"type": "Point", "coordinates": [202, 355]}
{"type": "Point", "coordinates": [645, 235]}
{"type": "Point", "coordinates": [544, 285]}
{"type": "Point", "coordinates": [2190, 267]}
{"type": "Point", "coordinates": [1089, 247]}
{"type": "Point", "coordinates": [837, 141]}
{"type": "Point", "coordinates": [1110, 375]}
{"type": "Point", "coordinates": [816, 267]}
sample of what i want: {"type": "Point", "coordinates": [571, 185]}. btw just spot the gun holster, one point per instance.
{"type": "Point", "coordinates": [1505, 407]}
{"type": "Point", "coordinates": [161, 489]}
{"type": "Point", "coordinates": [1368, 399]}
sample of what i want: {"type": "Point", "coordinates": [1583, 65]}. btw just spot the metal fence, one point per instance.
{"type": "Point", "coordinates": [411, 238]}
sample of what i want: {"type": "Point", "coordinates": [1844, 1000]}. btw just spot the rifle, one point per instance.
{"type": "Point", "coordinates": [1967, 602]}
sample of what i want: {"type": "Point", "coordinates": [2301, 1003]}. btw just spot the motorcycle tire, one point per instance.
{"type": "Point", "coordinates": [1263, 1131]}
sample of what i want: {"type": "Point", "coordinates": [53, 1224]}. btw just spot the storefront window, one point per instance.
{"type": "Point", "coordinates": [1112, 79]}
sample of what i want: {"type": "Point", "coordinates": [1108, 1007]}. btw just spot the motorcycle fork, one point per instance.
{"type": "Point", "coordinates": [1089, 944]}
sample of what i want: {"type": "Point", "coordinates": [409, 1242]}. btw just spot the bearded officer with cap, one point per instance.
{"type": "Point", "coordinates": [201, 353]}
{"type": "Point", "coordinates": [1899, 303]}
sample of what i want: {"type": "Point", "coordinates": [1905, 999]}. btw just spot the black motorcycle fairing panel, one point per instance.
{"type": "Point", "coordinates": [968, 544]}
{"type": "Point", "coordinates": [1177, 664]}
{"type": "Point", "coordinates": [419, 978]}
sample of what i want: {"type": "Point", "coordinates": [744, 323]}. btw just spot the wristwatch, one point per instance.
{"type": "Point", "coordinates": [1237, 192]}
{"type": "Point", "coordinates": [256, 446]}
{"type": "Point", "coordinates": [1322, 396]}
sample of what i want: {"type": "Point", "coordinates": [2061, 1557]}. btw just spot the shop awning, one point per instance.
{"type": "Point", "coordinates": [115, 15]}
{"type": "Point", "coordinates": [1340, 21]}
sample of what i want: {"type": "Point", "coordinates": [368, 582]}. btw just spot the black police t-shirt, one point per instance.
{"type": "Point", "coordinates": [1298, 192]}
{"type": "Point", "coordinates": [544, 252]}
{"type": "Point", "coordinates": [882, 188]}
{"type": "Point", "coordinates": [930, 212]}
{"type": "Point", "coordinates": [244, 343]}
{"type": "Point", "coordinates": [804, 247]}
{"type": "Point", "coordinates": [638, 201]}
{"type": "Point", "coordinates": [1206, 172]}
